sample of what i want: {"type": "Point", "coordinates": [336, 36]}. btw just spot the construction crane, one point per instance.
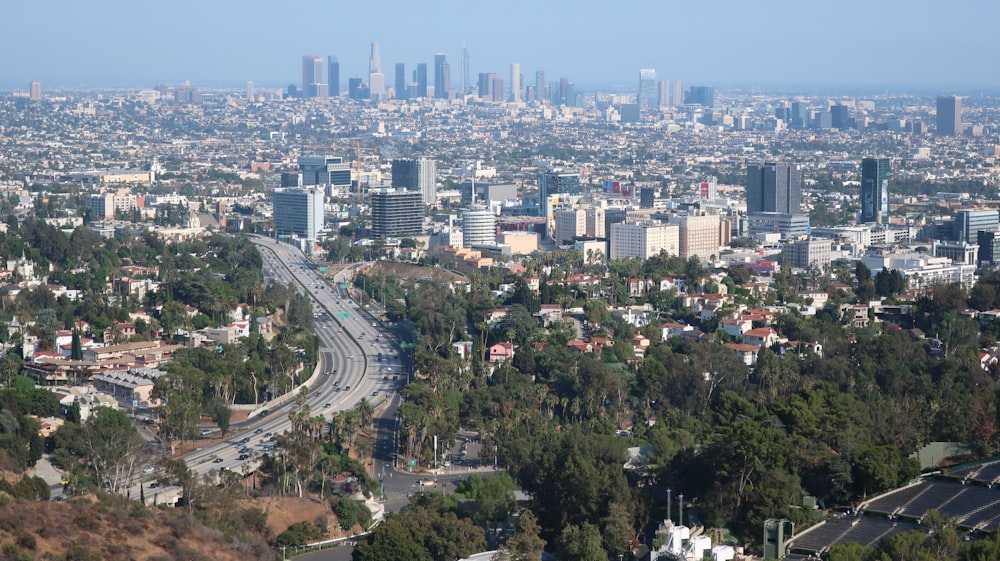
{"type": "Point", "coordinates": [356, 165]}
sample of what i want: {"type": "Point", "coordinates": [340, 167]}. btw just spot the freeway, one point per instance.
{"type": "Point", "coordinates": [349, 368]}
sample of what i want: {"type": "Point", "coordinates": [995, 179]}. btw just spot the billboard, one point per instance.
{"type": "Point", "coordinates": [612, 187]}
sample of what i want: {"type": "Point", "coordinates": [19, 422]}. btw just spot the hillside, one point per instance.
{"type": "Point", "coordinates": [112, 529]}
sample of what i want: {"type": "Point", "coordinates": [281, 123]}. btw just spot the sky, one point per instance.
{"type": "Point", "coordinates": [726, 43]}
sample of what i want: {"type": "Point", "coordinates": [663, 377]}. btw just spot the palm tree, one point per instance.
{"type": "Point", "coordinates": [365, 411]}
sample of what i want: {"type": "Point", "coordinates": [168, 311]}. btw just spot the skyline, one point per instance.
{"type": "Point", "coordinates": [780, 42]}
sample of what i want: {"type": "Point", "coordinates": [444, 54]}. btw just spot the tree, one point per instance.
{"type": "Point", "coordinates": [390, 541]}
{"type": "Point", "coordinates": [581, 543]}
{"type": "Point", "coordinates": [110, 446]}
{"type": "Point", "coordinates": [221, 416]}
{"type": "Point", "coordinates": [525, 544]}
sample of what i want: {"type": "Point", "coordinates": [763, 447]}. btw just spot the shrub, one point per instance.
{"type": "Point", "coordinates": [300, 533]}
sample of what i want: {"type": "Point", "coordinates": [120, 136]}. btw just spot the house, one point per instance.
{"type": "Point", "coordinates": [735, 328]}
{"type": "Point", "coordinates": [671, 329]}
{"type": "Point", "coordinates": [746, 352]}
{"type": "Point", "coordinates": [502, 352]}
{"type": "Point", "coordinates": [580, 346]}
{"type": "Point", "coordinates": [549, 313]}
{"type": "Point", "coordinates": [801, 348]}
{"type": "Point", "coordinates": [761, 337]}
{"type": "Point", "coordinates": [637, 288]}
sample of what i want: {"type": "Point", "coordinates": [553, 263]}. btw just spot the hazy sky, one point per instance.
{"type": "Point", "coordinates": [946, 44]}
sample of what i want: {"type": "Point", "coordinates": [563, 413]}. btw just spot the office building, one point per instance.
{"type": "Point", "coordinates": [376, 80]}
{"type": "Point", "coordinates": [479, 227]}
{"type": "Point", "coordinates": [989, 247]}
{"type": "Point", "coordinates": [569, 224]}
{"type": "Point", "coordinates": [400, 82]}
{"type": "Point", "coordinates": [486, 85]}
{"type": "Point", "coordinates": [774, 187]}
{"type": "Point", "coordinates": [102, 206]}
{"type": "Point", "coordinates": [663, 93]}
{"type": "Point", "coordinates": [465, 70]}
{"type": "Point", "coordinates": [540, 93]}
{"type": "Point", "coordinates": [298, 212]}
{"type": "Point", "coordinates": [970, 221]}
{"type": "Point", "coordinates": [312, 76]}
{"type": "Point", "coordinates": [701, 95]}
{"type": "Point", "coordinates": [515, 82]}
{"type": "Point", "coordinates": [333, 76]}
{"type": "Point", "coordinates": [949, 115]}
{"type": "Point", "coordinates": [356, 89]}
{"type": "Point", "coordinates": [556, 183]}
{"type": "Point", "coordinates": [698, 235]}
{"type": "Point", "coordinates": [416, 175]}
{"type": "Point", "coordinates": [647, 197]}
{"type": "Point", "coordinates": [442, 76]}
{"type": "Point", "coordinates": [328, 171]}
{"type": "Point", "coordinates": [643, 240]}
{"type": "Point", "coordinates": [785, 224]}
{"type": "Point", "coordinates": [421, 79]}
{"type": "Point", "coordinates": [677, 93]}
{"type": "Point", "coordinates": [959, 252]}
{"type": "Point", "coordinates": [396, 213]}
{"type": "Point", "coordinates": [596, 224]}
{"type": "Point", "coordinates": [497, 89]}
{"type": "Point", "coordinates": [840, 118]}
{"type": "Point", "coordinates": [803, 253]}
{"type": "Point", "coordinates": [36, 91]}
{"type": "Point", "coordinates": [875, 190]}
{"type": "Point", "coordinates": [250, 92]}
{"type": "Point", "coordinates": [648, 97]}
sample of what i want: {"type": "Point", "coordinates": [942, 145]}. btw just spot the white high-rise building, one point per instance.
{"type": "Point", "coordinates": [479, 228]}
{"type": "Point", "coordinates": [427, 180]}
{"type": "Point", "coordinates": [643, 240]}
{"type": "Point", "coordinates": [515, 82]}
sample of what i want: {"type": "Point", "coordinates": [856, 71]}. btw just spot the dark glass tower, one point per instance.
{"type": "Point", "coordinates": [875, 190]}
{"type": "Point", "coordinates": [421, 79]}
{"type": "Point", "coordinates": [333, 75]}
{"type": "Point", "coordinates": [442, 76]}
{"type": "Point", "coordinates": [774, 187]}
{"type": "Point", "coordinates": [949, 115]}
{"type": "Point", "coordinates": [401, 91]}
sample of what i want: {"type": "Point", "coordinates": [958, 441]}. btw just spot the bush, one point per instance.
{"type": "Point", "coordinates": [350, 512]}
{"type": "Point", "coordinates": [300, 533]}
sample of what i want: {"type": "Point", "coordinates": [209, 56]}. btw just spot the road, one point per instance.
{"type": "Point", "coordinates": [349, 365]}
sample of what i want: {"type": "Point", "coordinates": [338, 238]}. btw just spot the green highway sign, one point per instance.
{"type": "Point", "coordinates": [343, 315]}
{"type": "Point", "coordinates": [345, 286]}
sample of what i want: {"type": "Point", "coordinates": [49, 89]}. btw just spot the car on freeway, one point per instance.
{"type": "Point", "coordinates": [218, 461]}
{"type": "Point", "coordinates": [326, 406]}
{"type": "Point", "coordinates": [244, 457]}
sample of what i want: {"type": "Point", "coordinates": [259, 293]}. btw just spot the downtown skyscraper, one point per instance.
{"type": "Point", "coordinates": [421, 79]}
{"type": "Point", "coordinates": [515, 82]}
{"type": "Point", "coordinates": [333, 76]}
{"type": "Point", "coordinates": [312, 78]}
{"type": "Point", "coordinates": [402, 92]}
{"type": "Point", "coordinates": [442, 76]}
{"type": "Point", "coordinates": [376, 80]}
{"type": "Point", "coordinates": [465, 70]}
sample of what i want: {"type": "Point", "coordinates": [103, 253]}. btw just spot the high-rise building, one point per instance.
{"type": "Point", "coordinates": [333, 76]}
{"type": "Point", "coordinates": [569, 224]}
{"type": "Point", "coordinates": [396, 213]}
{"type": "Point", "coordinates": [400, 83]}
{"type": "Point", "coordinates": [643, 240]}
{"type": "Point", "coordinates": [421, 79]}
{"type": "Point", "coordinates": [416, 175]}
{"type": "Point", "coordinates": [250, 92]}
{"type": "Point", "coordinates": [564, 91]}
{"type": "Point", "coordinates": [102, 206]}
{"type": "Point", "coordinates": [774, 187]}
{"type": "Point", "coordinates": [663, 93]}
{"type": "Point", "coordinates": [329, 171]}
{"type": "Point", "coordinates": [442, 76]}
{"type": "Point", "coordinates": [540, 85]}
{"type": "Point", "coordinates": [949, 115]}
{"type": "Point", "coordinates": [677, 94]}
{"type": "Point", "coordinates": [550, 185]}
{"type": "Point", "coordinates": [376, 86]}
{"type": "Point", "coordinates": [875, 174]}
{"type": "Point", "coordinates": [701, 95]}
{"type": "Point", "coordinates": [298, 212]}
{"type": "Point", "coordinates": [839, 117]}
{"type": "Point", "coordinates": [312, 76]}
{"type": "Point", "coordinates": [465, 70]}
{"type": "Point", "coordinates": [970, 221]}
{"type": "Point", "coordinates": [36, 91]}
{"type": "Point", "coordinates": [699, 235]}
{"type": "Point", "coordinates": [515, 82]}
{"type": "Point", "coordinates": [427, 180]}
{"type": "Point", "coordinates": [478, 228]}
{"type": "Point", "coordinates": [374, 59]}
{"type": "Point", "coordinates": [497, 89]}
{"type": "Point", "coordinates": [647, 96]}
{"type": "Point", "coordinates": [486, 85]}
{"type": "Point", "coordinates": [356, 89]}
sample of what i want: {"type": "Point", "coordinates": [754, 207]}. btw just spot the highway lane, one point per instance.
{"type": "Point", "coordinates": [349, 367]}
